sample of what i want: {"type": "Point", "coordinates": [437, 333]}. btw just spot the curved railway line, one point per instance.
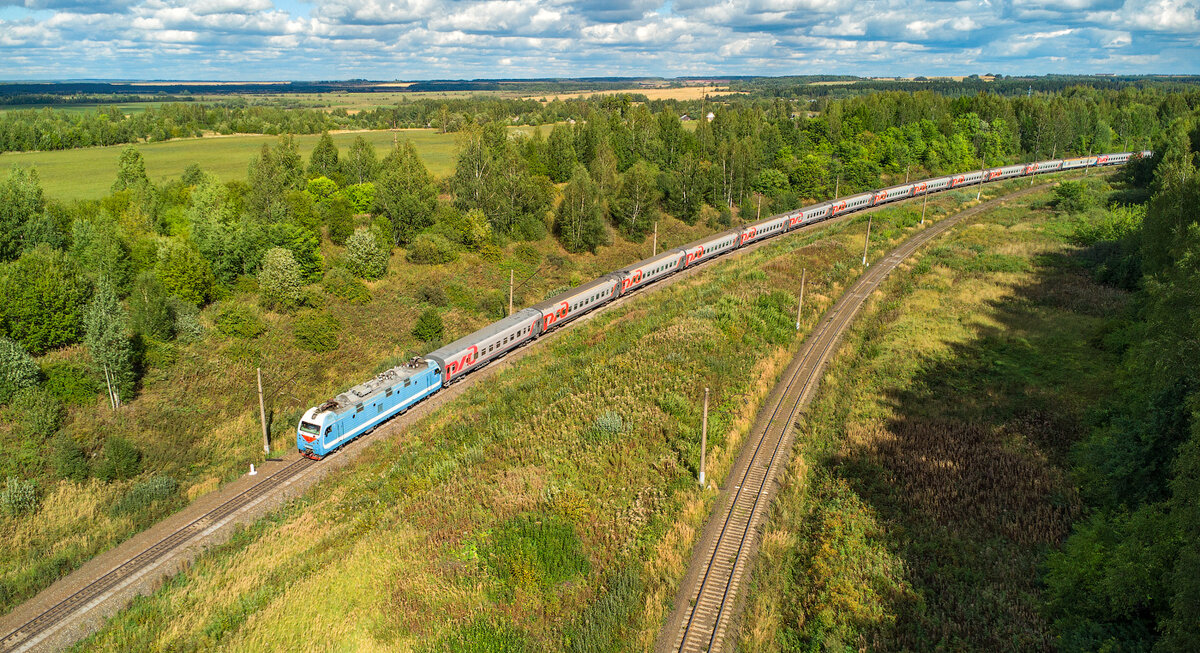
{"type": "Point", "coordinates": [722, 556]}
{"type": "Point", "coordinates": [736, 542]}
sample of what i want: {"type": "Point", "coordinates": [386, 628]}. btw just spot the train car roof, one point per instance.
{"type": "Point", "coordinates": [670, 253]}
{"type": "Point", "coordinates": [606, 280]}
{"type": "Point", "coordinates": [449, 351]}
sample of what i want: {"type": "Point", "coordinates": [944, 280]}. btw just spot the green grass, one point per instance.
{"type": "Point", "coordinates": [929, 481]}
{"type": "Point", "coordinates": [521, 511]}
{"type": "Point", "coordinates": [88, 173]}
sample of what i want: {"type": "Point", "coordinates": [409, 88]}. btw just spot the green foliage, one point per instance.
{"type": "Point", "coordinates": [608, 426]}
{"type": "Point", "coordinates": [1072, 196]}
{"type": "Point", "coordinates": [433, 295]}
{"type": "Point", "coordinates": [188, 327]}
{"type": "Point", "coordinates": [321, 189]}
{"type": "Point", "coordinates": [316, 331]}
{"type": "Point", "coordinates": [360, 165]}
{"type": "Point", "coordinates": [429, 326]}
{"type": "Point", "coordinates": [42, 412]}
{"type": "Point", "coordinates": [579, 224]}
{"type": "Point", "coordinates": [280, 285]}
{"type": "Point", "coordinates": [131, 170]}
{"type": "Point", "coordinates": [69, 459]}
{"type": "Point", "coordinates": [323, 162]}
{"type": "Point", "coordinates": [108, 339]}
{"type": "Point", "coordinates": [18, 370]}
{"type": "Point", "coordinates": [150, 308]}
{"type": "Point", "coordinates": [636, 204]}
{"type": "Point", "coordinates": [97, 250]}
{"type": "Point", "coordinates": [535, 550]}
{"type": "Point", "coordinates": [339, 282]}
{"type": "Point", "coordinates": [304, 245]}
{"type": "Point", "coordinates": [145, 494]}
{"type": "Point", "coordinates": [405, 193]}
{"type": "Point", "coordinates": [239, 321]}
{"type": "Point", "coordinates": [364, 257]}
{"type": "Point", "coordinates": [602, 624]}
{"type": "Point", "coordinates": [272, 173]}
{"type": "Point", "coordinates": [561, 149]}
{"type": "Point", "coordinates": [431, 249]}
{"type": "Point", "coordinates": [360, 196]}
{"type": "Point", "coordinates": [21, 201]}
{"type": "Point", "coordinates": [119, 460]}
{"type": "Point", "coordinates": [339, 216]}
{"type": "Point", "coordinates": [19, 497]}
{"type": "Point", "coordinates": [484, 635]}
{"type": "Point", "coordinates": [184, 273]}
{"type": "Point", "coordinates": [43, 300]}
{"type": "Point", "coordinates": [71, 382]}
{"type": "Point", "coordinates": [1118, 223]}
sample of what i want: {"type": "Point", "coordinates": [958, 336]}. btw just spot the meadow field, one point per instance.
{"type": "Point", "coordinates": [88, 173]}
{"type": "Point", "coordinates": [930, 480]}
{"type": "Point", "coordinates": [551, 508]}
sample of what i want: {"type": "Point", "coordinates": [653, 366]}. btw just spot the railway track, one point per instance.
{"type": "Point", "coordinates": [36, 629]}
{"type": "Point", "coordinates": [720, 563]}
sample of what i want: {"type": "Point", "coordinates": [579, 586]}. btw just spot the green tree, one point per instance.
{"type": "Point", "coordinates": [99, 251]}
{"type": "Point", "coordinates": [43, 300]}
{"type": "Point", "coordinates": [107, 338]}
{"type": "Point", "coordinates": [579, 224]}
{"type": "Point", "coordinates": [429, 326]}
{"type": "Point", "coordinates": [18, 370]}
{"type": "Point", "coordinates": [150, 309]}
{"type": "Point", "coordinates": [131, 170]}
{"type": "Point", "coordinates": [21, 200]}
{"type": "Point", "coordinates": [364, 257]}
{"type": "Point", "coordinates": [280, 283]}
{"type": "Point", "coordinates": [185, 273]}
{"type": "Point", "coordinates": [273, 172]}
{"type": "Point", "coordinates": [637, 199]}
{"type": "Point", "coordinates": [304, 245]}
{"type": "Point", "coordinates": [405, 193]}
{"type": "Point", "coordinates": [561, 149]}
{"type": "Point", "coordinates": [361, 162]}
{"type": "Point", "coordinates": [323, 162]}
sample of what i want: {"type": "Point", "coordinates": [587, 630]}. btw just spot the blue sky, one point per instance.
{"type": "Point", "coordinates": [456, 39]}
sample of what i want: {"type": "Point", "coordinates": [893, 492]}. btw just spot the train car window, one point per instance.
{"type": "Point", "coordinates": [407, 382]}
{"type": "Point", "coordinates": [328, 430]}
{"type": "Point", "coordinates": [389, 392]}
{"type": "Point", "coordinates": [358, 408]}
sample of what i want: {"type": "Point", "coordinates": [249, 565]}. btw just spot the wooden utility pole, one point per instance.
{"type": "Point", "coordinates": [800, 308]}
{"type": "Point", "coordinates": [262, 414]}
{"type": "Point", "coordinates": [837, 184]}
{"type": "Point", "coordinates": [979, 188]}
{"type": "Point", "coordinates": [924, 201]}
{"type": "Point", "coordinates": [758, 213]}
{"type": "Point", "coordinates": [655, 252]}
{"type": "Point", "coordinates": [867, 243]}
{"type": "Point", "coordinates": [511, 275]}
{"type": "Point", "coordinates": [703, 437]}
{"type": "Point", "coordinates": [906, 172]}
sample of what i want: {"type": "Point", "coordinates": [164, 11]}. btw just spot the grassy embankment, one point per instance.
{"type": "Point", "coordinates": [929, 481]}
{"type": "Point", "coordinates": [552, 507]}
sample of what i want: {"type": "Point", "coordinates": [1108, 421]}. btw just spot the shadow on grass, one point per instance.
{"type": "Point", "coordinates": [968, 479]}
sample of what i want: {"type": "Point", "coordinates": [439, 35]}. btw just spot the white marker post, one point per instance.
{"type": "Point", "coordinates": [800, 308]}
{"type": "Point", "coordinates": [867, 243]}
{"type": "Point", "coordinates": [262, 414]}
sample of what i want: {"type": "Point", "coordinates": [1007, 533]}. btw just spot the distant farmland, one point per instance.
{"type": "Point", "coordinates": [88, 173]}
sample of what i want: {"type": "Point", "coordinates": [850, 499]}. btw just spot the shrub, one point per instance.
{"type": "Point", "coordinates": [340, 218]}
{"type": "Point", "coordinates": [44, 298]}
{"type": "Point", "coordinates": [18, 370]}
{"type": "Point", "coordinates": [535, 549]}
{"type": "Point", "coordinates": [43, 411]}
{"type": "Point", "coordinates": [528, 254]}
{"type": "Point", "coordinates": [429, 326]}
{"type": "Point", "coordinates": [121, 460]}
{"type": "Point", "coordinates": [144, 494]}
{"type": "Point", "coordinates": [361, 196]}
{"type": "Point", "coordinates": [151, 312]}
{"type": "Point", "coordinates": [433, 295]}
{"type": "Point", "coordinates": [364, 257]}
{"type": "Point", "coordinates": [340, 283]}
{"type": "Point", "coordinates": [316, 331]}
{"type": "Point", "coordinates": [240, 321]}
{"type": "Point", "coordinates": [18, 497]}
{"type": "Point", "coordinates": [71, 383]}
{"type": "Point", "coordinates": [188, 327]}
{"type": "Point", "coordinates": [185, 273]}
{"type": "Point", "coordinates": [431, 249]}
{"type": "Point", "coordinates": [280, 282]}
{"type": "Point", "coordinates": [608, 426]}
{"type": "Point", "coordinates": [1072, 196]}
{"type": "Point", "coordinates": [69, 459]}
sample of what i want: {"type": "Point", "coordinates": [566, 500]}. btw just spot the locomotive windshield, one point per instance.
{"type": "Point", "coordinates": [311, 429]}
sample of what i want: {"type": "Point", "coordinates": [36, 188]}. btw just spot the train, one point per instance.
{"type": "Point", "coordinates": [335, 422]}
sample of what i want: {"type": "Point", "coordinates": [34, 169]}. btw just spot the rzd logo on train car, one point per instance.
{"type": "Point", "coordinates": [692, 256]}
{"type": "Point", "coordinates": [554, 316]}
{"type": "Point", "coordinates": [631, 280]}
{"type": "Point", "coordinates": [749, 234]}
{"type": "Point", "coordinates": [957, 180]}
{"type": "Point", "coordinates": [1102, 159]}
{"type": "Point", "coordinates": [1030, 169]}
{"type": "Point", "coordinates": [468, 359]}
{"type": "Point", "coordinates": [919, 188]}
{"type": "Point", "coordinates": [881, 196]}
{"type": "Point", "coordinates": [992, 174]}
{"type": "Point", "coordinates": [837, 208]}
{"type": "Point", "coordinates": [795, 219]}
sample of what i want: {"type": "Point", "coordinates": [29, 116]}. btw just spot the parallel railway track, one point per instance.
{"type": "Point", "coordinates": [713, 597]}
{"type": "Point", "coordinates": [34, 630]}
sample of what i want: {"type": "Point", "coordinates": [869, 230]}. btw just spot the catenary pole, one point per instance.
{"type": "Point", "coordinates": [800, 307]}
{"type": "Point", "coordinates": [867, 242]}
{"type": "Point", "coordinates": [262, 413]}
{"type": "Point", "coordinates": [703, 437]}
